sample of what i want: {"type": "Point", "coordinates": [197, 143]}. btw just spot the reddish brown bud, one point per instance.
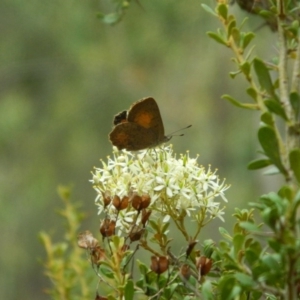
{"type": "Point", "coordinates": [86, 240]}
{"type": "Point", "coordinates": [136, 234]}
{"type": "Point", "coordinates": [136, 201]}
{"type": "Point", "coordinates": [145, 216]}
{"type": "Point", "coordinates": [190, 247]}
{"type": "Point", "coordinates": [106, 198]}
{"type": "Point", "coordinates": [107, 227]}
{"type": "Point", "coordinates": [185, 271]}
{"type": "Point", "coordinates": [203, 265]}
{"type": "Point", "coordinates": [120, 204]}
{"type": "Point", "coordinates": [116, 201]}
{"type": "Point", "coordinates": [145, 201]}
{"type": "Point", "coordinates": [159, 264]}
{"type": "Point", "coordinates": [139, 202]}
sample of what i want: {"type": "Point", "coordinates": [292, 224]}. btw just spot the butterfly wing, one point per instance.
{"type": "Point", "coordinates": [120, 117]}
{"type": "Point", "coordinates": [146, 114]}
{"type": "Point", "coordinates": [132, 137]}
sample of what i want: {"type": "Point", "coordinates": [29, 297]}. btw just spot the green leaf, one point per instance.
{"type": "Point", "coordinates": [259, 164]}
{"type": "Point", "coordinates": [268, 140]}
{"type": "Point", "coordinates": [111, 19]}
{"type": "Point", "coordinates": [266, 14]}
{"type": "Point", "coordinates": [274, 197]}
{"type": "Point", "coordinates": [267, 118]}
{"type": "Point", "coordinates": [223, 11]}
{"type": "Point", "coordinates": [129, 290]}
{"type": "Point", "coordinates": [142, 267]}
{"type": "Point", "coordinates": [208, 247]}
{"type": "Point", "coordinates": [234, 74]}
{"type": "Point", "coordinates": [252, 252]}
{"type": "Point", "coordinates": [207, 290]}
{"type": "Point", "coordinates": [106, 272]}
{"type": "Point", "coordinates": [225, 233]}
{"type": "Point", "coordinates": [169, 291]}
{"type": "Point", "coordinates": [235, 33]}
{"type": "Point", "coordinates": [276, 108]}
{"type": "Point", "coordinates": [232, 24]}
{"type": "Point", "coordinates": [239, 104]}
{"type": "Point", "coordinates": [286, 192]}
{"type": "Point", "coordinates": [251, 256]}
{"type": "Point", "coordinates": [263, 76]}
{"type": "Point", "coordinates": [244, 279]}
{"type": "Point", "coordinates": [275, 244]}
{"type": "Point", "coordinates": [226, 285]}
{"type": "Point", "coordinates": [271, 261]}
{"type": "Point", "coordinates": [245, 20]}
{"type": "Point", "coordinates": [246, 67]}
{"type": "Point", "coordinates": [252, 93]}
{"type": "Point", "coordinates": [209, 10]}
{"type": "Point", "coordinates": [217, 38]}
{"type": "Point", "coordinates": [270, 217]}
{"type": "Point", "coordinates": [249, 226]}
{"type": "Point", "coordinates": [238, 242]}
{"type": "Point", "coordinates": [247, 39]}
{"type": "Point", "coordinates": [249, 53]}
{"type": "Point", "coordinates": [294, 158]}
{"type": "Point", "coordinates": [295, 101]}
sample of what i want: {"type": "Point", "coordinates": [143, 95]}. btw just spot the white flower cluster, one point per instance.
{"type": "Point", "coordinates": [176, 186]}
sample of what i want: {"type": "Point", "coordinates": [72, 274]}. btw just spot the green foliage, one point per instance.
{"type": "Point", "coordinates": [294, 158]}
{"type": "Point", "coordinates": [269, 142]}
{"type": "Point", "coordinates": [119, 8]}
{"type": "Point", "coordinates": [65, 265]}
{"type": "Point", "coordinates": [247, 268]}
{"type": "Point", "coordinates": [257, 260]}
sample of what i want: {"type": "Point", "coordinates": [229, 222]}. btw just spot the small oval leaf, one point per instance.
{"type": "Point", "coordinates": [259, 164]}
{"type": "Point", "coordinates": [294, 158]}
{"type": "Point", "coordinates": [223, 11]}
{"type": "Point", "coordinates": [263, 76]}
{"type": "Point", "coordinates": [276, 108]}
{"type": "Point", "coordinates": [217, 38]}
{"type": "Point", "coordinates": [267, 118]}
{"type": "Point", "coordinates": [247, 39]}
{"type": "Point", "coordinates": [252, 93]}
{"type": "Point", "coordinates": [239, 104]}
{"type": "Point", "coordinates": [268, 140]}
{"type": "Point", "coordinates": [209, 10]}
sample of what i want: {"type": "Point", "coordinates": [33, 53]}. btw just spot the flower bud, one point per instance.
{"type": "Point", "coordinates": [190, 247]}
{"type": "Point", "coordinates": [120, 204]}
{"type": "Point", "coordinates": [107, 227]}
{"type": "Point", "coordinates": [145, 216]}
{"type": "Point", "coordinates": [106, 198]}
{"type": "Point", "coordinates": [185, 271]}
{"type": "Point", "coordinates": [136, 234]}
{"type": "Point", "coordinates": [159, 264]}
{"type": "Point", "coordinates": [139, 202]}
{"type": "Point", "coordinates": [203, 265]}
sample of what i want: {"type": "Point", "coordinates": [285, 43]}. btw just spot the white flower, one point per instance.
{"type": "Point", "coordinates": [175, 185]}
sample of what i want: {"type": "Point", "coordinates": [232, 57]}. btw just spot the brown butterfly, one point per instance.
{"type": "Point", "coordinates": [140, 127]}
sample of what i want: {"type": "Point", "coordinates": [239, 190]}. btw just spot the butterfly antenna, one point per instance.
{"type": "Point", "coordinates": [172, 134]}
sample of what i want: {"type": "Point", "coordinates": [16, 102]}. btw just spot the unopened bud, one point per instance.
{"type": "Point", "coordinates": [159, 264]}
{"type": "Point", "coordinates": [107, 227]}
{"type": "Point", "coordinates": [203, 265]}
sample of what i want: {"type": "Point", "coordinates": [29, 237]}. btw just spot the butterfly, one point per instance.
{"type": "Point", "coordinates": [140, 127]}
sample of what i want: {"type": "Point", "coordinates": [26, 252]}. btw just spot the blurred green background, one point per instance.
{"type": "Point", "coordinates": [63, 76]}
